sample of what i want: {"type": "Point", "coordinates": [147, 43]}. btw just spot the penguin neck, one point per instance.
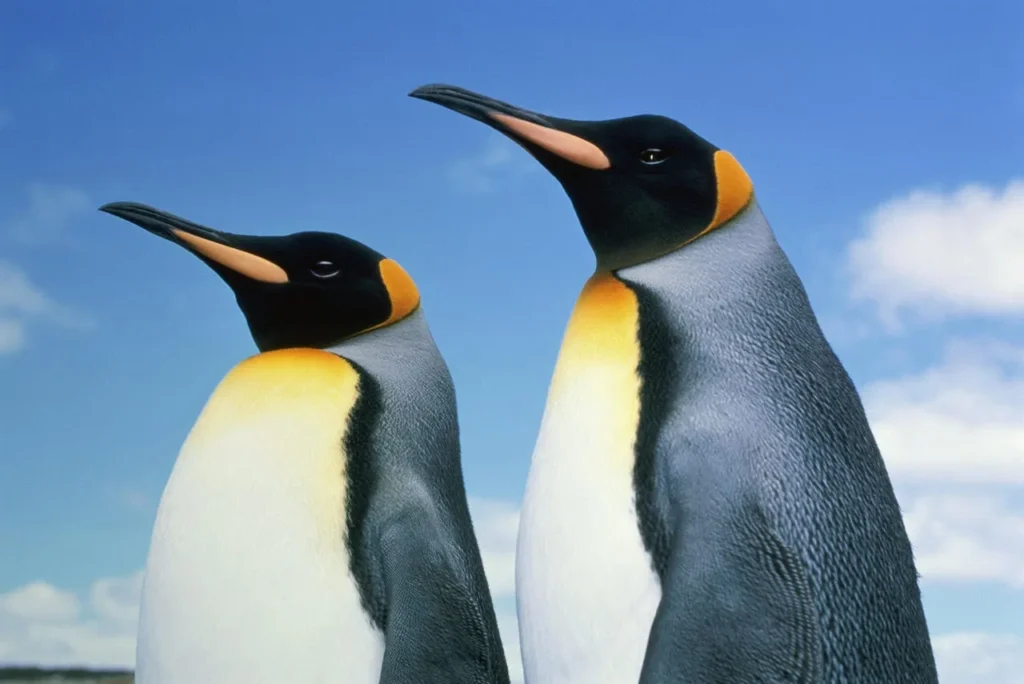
{"type": "Point", "coordinates": [731, 282]}
{"type": "Point", "coordinates": [415, 390]}
{"type": "Point", "coordinates": [398, 353]}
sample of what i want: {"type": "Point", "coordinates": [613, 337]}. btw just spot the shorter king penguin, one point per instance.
{"type": "Point", "coordinates": [706, 502]}
{"type": "Point", "coordinates": [315, 526]}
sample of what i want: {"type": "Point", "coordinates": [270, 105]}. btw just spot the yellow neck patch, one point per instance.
{"type": "Point", "coordinates": [308, 384]}
{"type": "Point", "coordinates": [603, 327]}
{"type": "Point", "coordinates": [595, 391]}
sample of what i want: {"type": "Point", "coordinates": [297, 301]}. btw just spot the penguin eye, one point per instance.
{"type": "Point", "coordinates": [325, 269]}
{"type": "Point", "coordinates": [653, 155]}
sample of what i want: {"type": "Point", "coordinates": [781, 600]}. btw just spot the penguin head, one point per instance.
{"type": "Point", "coordinates": [642, 186]}
{"type": "Point", "coordinates": [307, 289]}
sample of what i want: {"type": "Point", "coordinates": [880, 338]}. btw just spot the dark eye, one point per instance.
{"type": "Point", "coordinates": [653, 155]}
{"type": "Point", "coordinates": [325, 269]}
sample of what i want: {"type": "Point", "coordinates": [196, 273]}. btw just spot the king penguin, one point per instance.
{"type": "Point", "coordinates": [315, 526]}
{"type": "Point", "coordinates": [706, 501]}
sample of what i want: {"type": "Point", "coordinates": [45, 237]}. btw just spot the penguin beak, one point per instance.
{"type": "Point", "coordinates": [535, 132]}
{"type": "Point", "coordinates": [225, 253]}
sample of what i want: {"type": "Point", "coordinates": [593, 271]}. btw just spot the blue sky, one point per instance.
{"type": "Point", "coordinates": [884, 143]}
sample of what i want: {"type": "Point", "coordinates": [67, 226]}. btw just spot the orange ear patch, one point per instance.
{"type": "Point", "coordinates": [734, 189]}
{"type": "Point", "coordinates": [404, 294]}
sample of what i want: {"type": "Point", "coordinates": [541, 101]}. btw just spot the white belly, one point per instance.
{"type": "Point", "coordinates": [587, 593]}
{"type": "Point", "coordinates": [248, 577]}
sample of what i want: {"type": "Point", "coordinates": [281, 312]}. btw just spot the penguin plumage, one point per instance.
{"type": "Point", "coordinates": [315, 527]}
{"type": "Point", "coordinates": [706, 501]}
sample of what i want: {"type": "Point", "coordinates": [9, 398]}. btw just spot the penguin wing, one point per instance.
{"type": "Point", "coordinates": [736, 606]}
{"type": "Point", "coordinates": [435, 631]}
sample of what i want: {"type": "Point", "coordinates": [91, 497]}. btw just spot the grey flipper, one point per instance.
{"type": "Point", "coordinates": [414, 552]}
{"type": "Point", "coordinates": [430, 609]}
{"type": "Point", "coordinates": [736, 607]}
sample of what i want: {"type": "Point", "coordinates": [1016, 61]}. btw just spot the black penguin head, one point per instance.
{"type": "Point", "coordinates": [642, 186]}
{"type": "Point", "coordinates": [302, 290]}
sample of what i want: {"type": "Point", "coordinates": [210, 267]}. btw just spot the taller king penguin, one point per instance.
{"type": "Point", "coordinates": [315, 527]}
{"type": "Point", "coordinates": [706, 502]}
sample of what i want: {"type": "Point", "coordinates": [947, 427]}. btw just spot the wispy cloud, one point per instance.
{"type": "Point", "coordinates": [5, 118]}
{"type": "Point", "coordinates": [12, 335]}
{"type": "Point", "coordinates": [22, 304]}
{"type": "Point", "coordinates": [131, 498]}
{"type": "Point", "coordinates": [500, 161]}
{"type": "Point", "coordinates": [47, 213]}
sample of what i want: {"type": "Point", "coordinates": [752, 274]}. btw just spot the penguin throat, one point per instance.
{"type": "Point", "coordinates": [631, 241]}
{"type": "Point", "coordinates": [636, 252]}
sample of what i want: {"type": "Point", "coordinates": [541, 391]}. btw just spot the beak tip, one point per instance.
{"type": "Point", "coordinates": [121, 208]}
{"type": "Point", "coordinates": [428, 91]}
{"type": "Point", "coordinates": [474, 105]}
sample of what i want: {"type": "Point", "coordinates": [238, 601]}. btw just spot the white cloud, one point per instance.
{"type": "Point", "coordinates": [967, 538]}
{"type": "Point", "coordinates": [21, 302]}
{"type": "Point", "coordinates": [49, 210]}
{"type": "Point", "coordinates": [973, 658]}
{"type": "Point", "coordinates": [496, 524]}
{"type": "Point", "coordinates": [485, 171]}
{"type": "Point", "coordinates": [43, 625]}
{"type": "Point", "coordinates": [508, 625]}
{"type": "Point", "coordinates": [961, 421]}
{"type": "Point", "coordinates": [40, 602]}
{"type": "Point", "coordinates": [957, 253]}
{"type": "Point", "coordinates": [117, 598]}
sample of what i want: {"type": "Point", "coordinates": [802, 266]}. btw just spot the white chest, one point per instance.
{"type": "Point", "coordinates": [586, 590]}
{"type": "Point", "coordinates": [248, 577]}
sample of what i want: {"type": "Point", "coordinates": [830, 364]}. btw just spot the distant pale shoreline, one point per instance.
{"type": "Point", "coordinates": [24, 675]}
